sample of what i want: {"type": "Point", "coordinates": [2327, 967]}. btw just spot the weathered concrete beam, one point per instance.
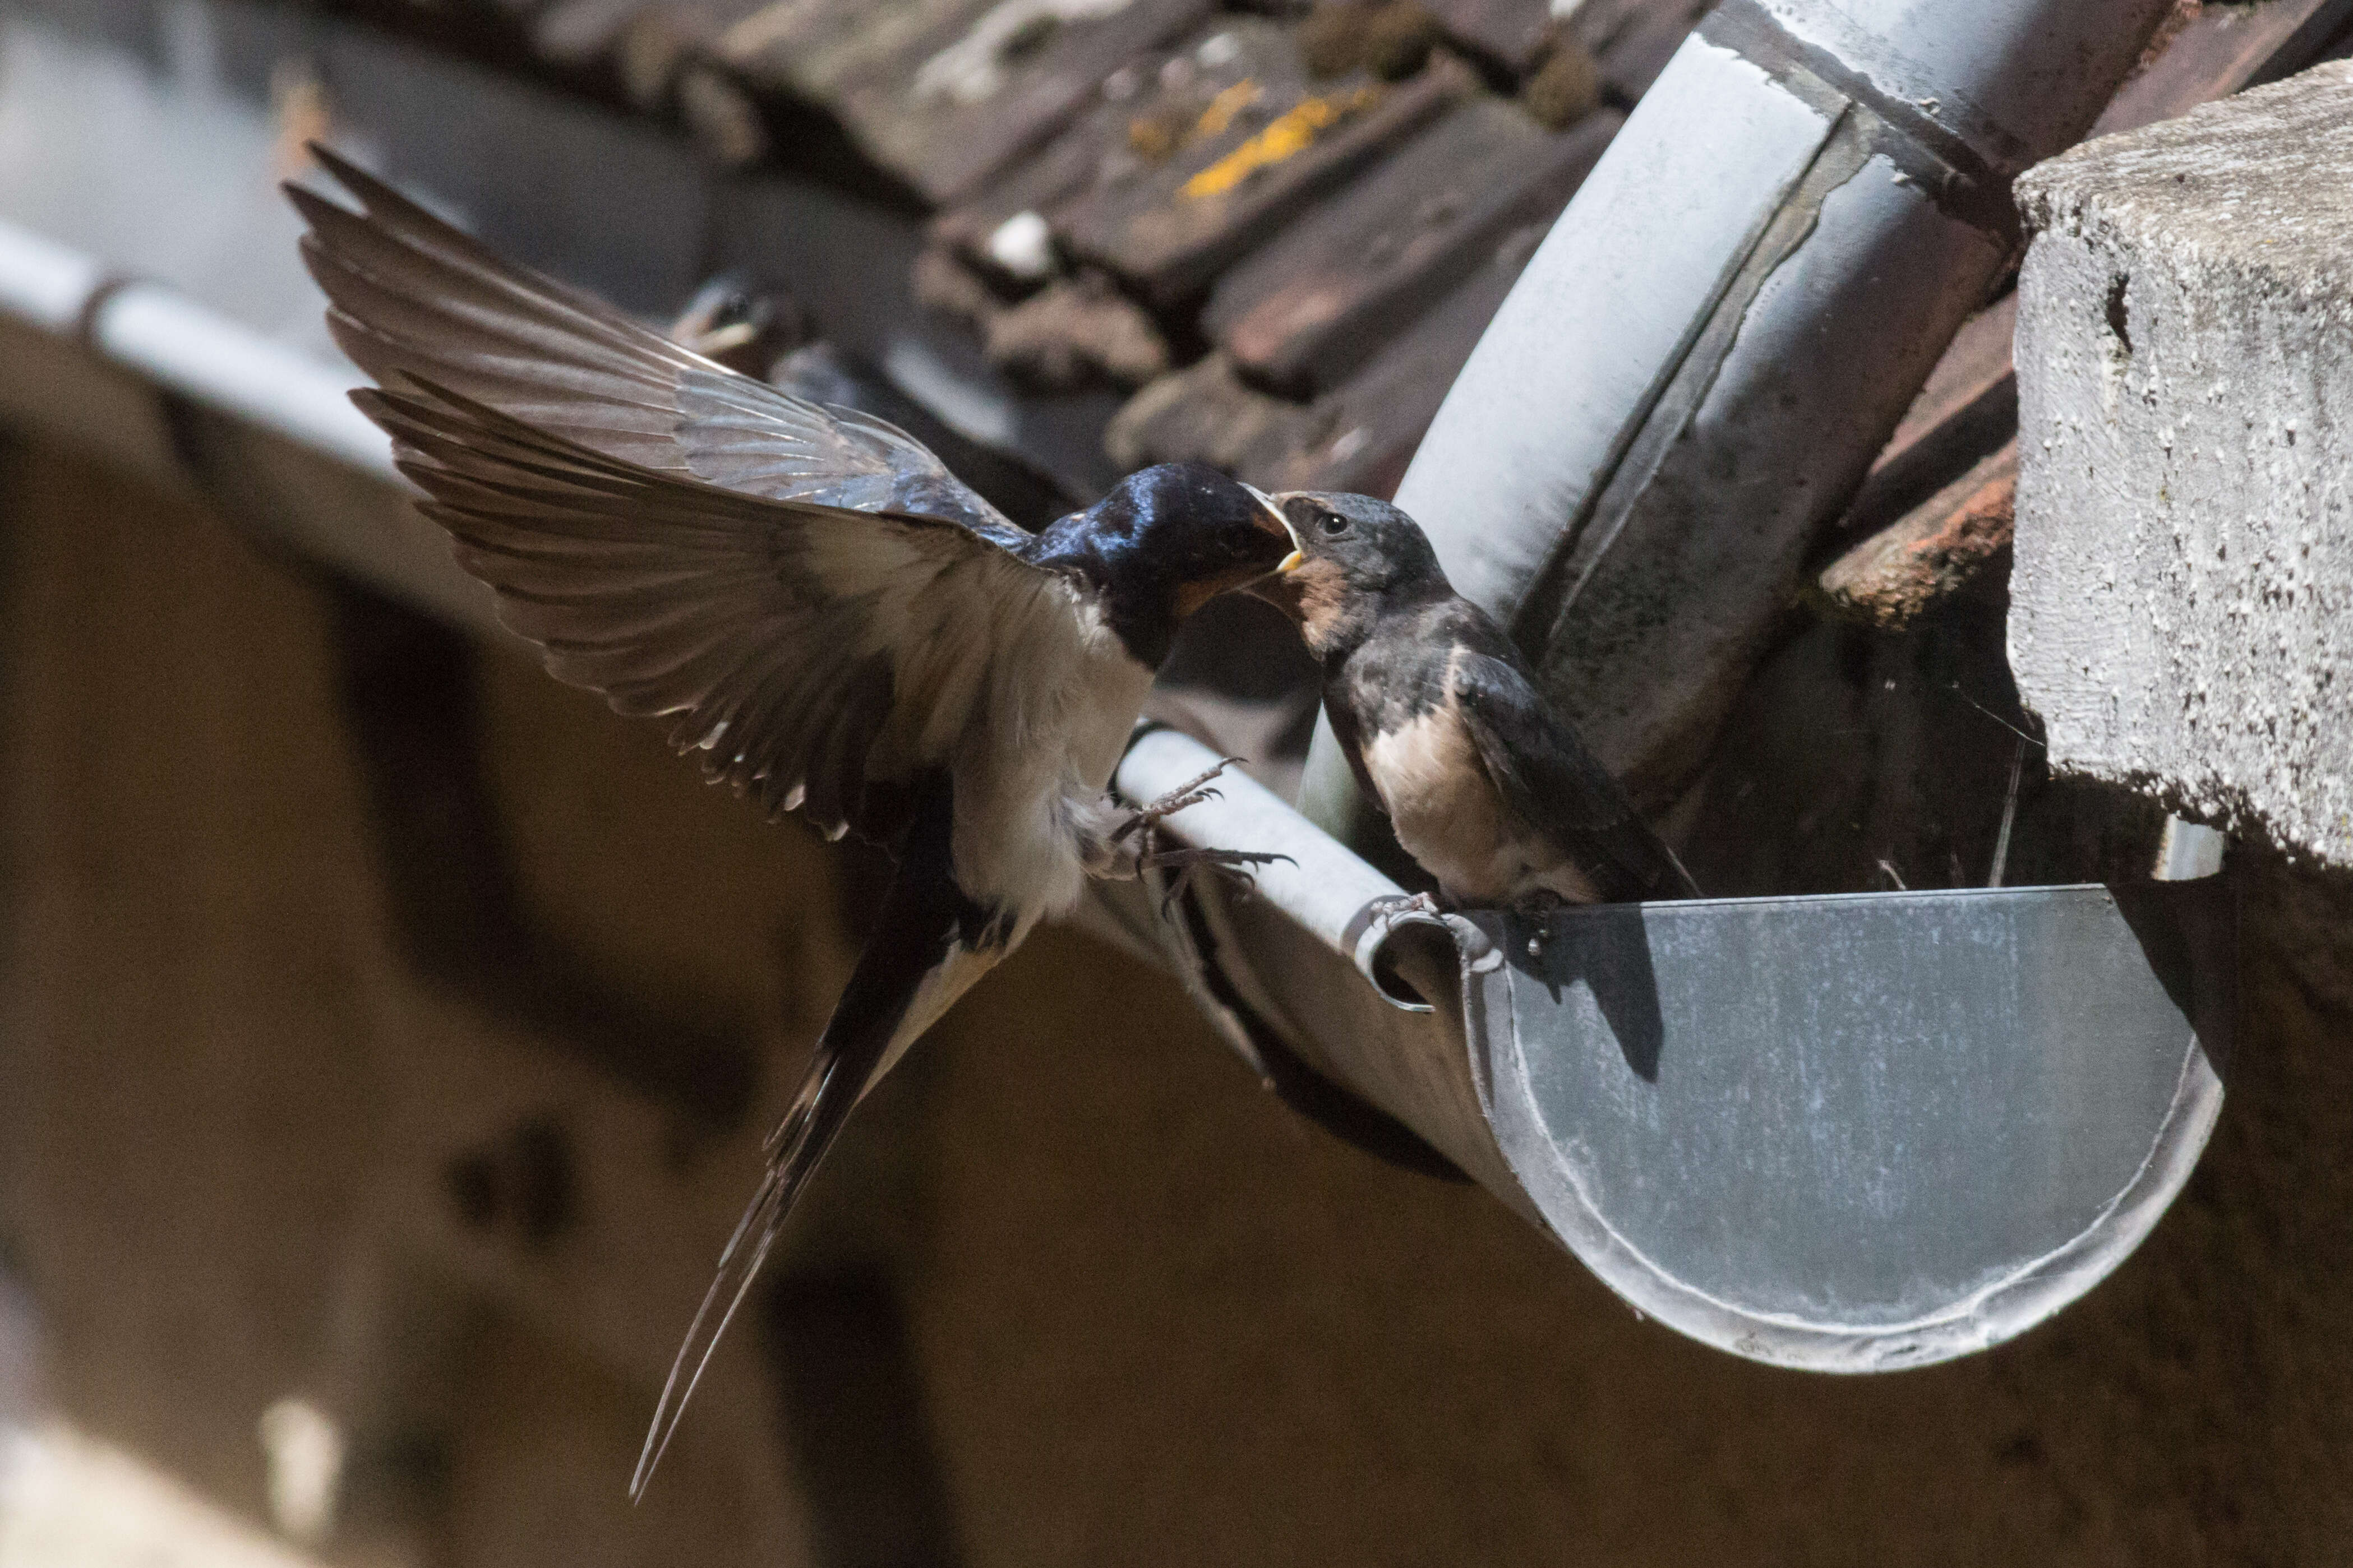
{"type": "Point", "coordinates": [2182, 601]}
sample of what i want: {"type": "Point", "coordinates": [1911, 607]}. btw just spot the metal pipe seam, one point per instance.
{"type": "Point", "coordinates": [1667, 412]}
{"type": "Point", "coordinates": [1965, 180]}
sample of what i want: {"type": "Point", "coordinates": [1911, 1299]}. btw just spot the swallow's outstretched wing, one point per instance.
{"type": "Point", "coordinates": [822, 659]}
{"type": "Point", "coordinates": [808, 596]}
{"type": "Point", "coordinates": [411, 295]}
{"type": "Point", "coordinates": [1552, 782]}
{"type": "Point", "coordinates": [827, 659]}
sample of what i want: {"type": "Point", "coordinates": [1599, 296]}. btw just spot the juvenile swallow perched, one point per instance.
{"type": "Point", "coordinates": [817, 604]}
{"type": "Point", "coordinates": [1486, 786]}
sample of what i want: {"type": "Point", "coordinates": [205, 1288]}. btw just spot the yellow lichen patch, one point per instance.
{"type": "Point", "coordinates": [1225, 106]}
{"type": "Point", "coordinates": [1151, 138]}
{"type": "Point", "coordinates": [1288, 135]}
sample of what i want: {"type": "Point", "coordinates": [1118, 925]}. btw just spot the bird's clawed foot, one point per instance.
{"type": "Point", "coordinates": [1149, 815]}
{"type": "Point", "coordinates": [1137, 837]}
{"type": "Point", "coordinates": [1391, 905]}
{"type": "Point", "coordinates": [1185, 861]}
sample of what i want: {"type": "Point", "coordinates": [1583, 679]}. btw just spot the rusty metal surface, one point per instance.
{"type": "Point", "coordinates": [1958, 535]}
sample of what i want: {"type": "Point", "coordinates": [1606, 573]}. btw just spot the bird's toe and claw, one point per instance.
{"type": "Point", "coordinates": [1145, 818]}
{"type": "Point", "coordinates": [1140, 830]}
{"type": "Point", "coordinates": [1389, 906]}
{"type": "Point", "coordinates": [1186, 859]}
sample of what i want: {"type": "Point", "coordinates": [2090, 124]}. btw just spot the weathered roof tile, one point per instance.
{"type": "Point", "coordinates": [1223, 142]}
{"type": "Point", "coordinates": [1514, 34]}
{"type": "Point", "coordinates": [1358, 438]}
{"type": "Point", "coordinates": [1301, 313]}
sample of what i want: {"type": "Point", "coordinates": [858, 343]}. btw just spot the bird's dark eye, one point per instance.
{"type": "Point", "coordinates": [1332, 522]}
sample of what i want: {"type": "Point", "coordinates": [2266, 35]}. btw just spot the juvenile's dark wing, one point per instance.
{"type": "Point", "coordinates": [1552, 782]}
{"type": "Point", "coordinates": [1348, 731]}
{"type": "Point", "coordinates": [824, 659]}
{"type": "Point", "coordinates": [412, 295]}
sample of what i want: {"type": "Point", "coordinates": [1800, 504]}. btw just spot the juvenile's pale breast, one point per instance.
{"type": "Point", "coordinates": [1452, 820]}
{"type": "Point", "coordinates": [1441, 802]}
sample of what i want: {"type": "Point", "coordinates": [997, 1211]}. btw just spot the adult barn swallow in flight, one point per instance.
{"type": "Point", "coordinates": [842, 628]}
{"type": "Point", "coordinates": [1486, 786]}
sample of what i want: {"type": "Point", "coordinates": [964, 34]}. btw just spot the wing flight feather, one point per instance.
{"type": "Point", "coordinates": [821, 657]}
{"type": "Point", "coordinates": [809, 596]}
{"type": "Point", "coordinates": [1555, 784]}
{"type": "Point", "coordinates": [410, 294]}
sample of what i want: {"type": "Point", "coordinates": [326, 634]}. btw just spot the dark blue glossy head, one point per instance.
{"type": "Point", "coordinates": [1163, 542]}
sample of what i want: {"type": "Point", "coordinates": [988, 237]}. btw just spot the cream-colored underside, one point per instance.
{"type": "Point", "coordinates": [1031, 810]}
{"type": "Point", "coordinates": [1013, 680]}
{"type": "Point", "coordinates": [1451, 819]}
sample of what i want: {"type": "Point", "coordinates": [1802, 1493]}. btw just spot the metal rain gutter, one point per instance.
{"type": "Point", "coordinates": [1745, 1185]}
{"type": "Point", "coordinates": [1845, 1133]}
{"type": "Point", "coordinates": [1848, 1134]}
{"type": "Point", "coordinates": [1696, 368]}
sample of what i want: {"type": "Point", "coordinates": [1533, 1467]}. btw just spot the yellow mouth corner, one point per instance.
{"type": "Point", "coordinates": [1292, 563]}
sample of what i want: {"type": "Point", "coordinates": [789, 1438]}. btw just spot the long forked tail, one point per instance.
{"type": "Point", "coordinates": [929, 944]}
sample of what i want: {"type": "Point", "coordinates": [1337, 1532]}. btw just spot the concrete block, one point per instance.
{"type": "Point", "coordinates": [2182, 601]}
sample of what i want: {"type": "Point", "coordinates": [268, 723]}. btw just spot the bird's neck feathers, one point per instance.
{"type": "Point", "coordinates": [1138, 605]}
{"type": "Point", "coordinates": [1338, 612]}
{"type": "Point", "coordinates": [1132, 561]}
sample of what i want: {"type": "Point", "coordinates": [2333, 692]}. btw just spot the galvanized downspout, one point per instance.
{"type": "Point", "coordinates": [1697, 368]}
